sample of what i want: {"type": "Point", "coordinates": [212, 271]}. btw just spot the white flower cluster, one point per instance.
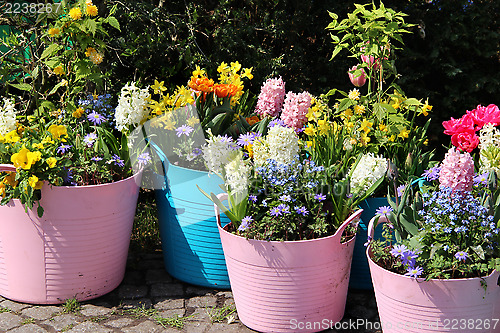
{"type": "Point", "coordinates": [219, 151]}
{"type": "Point", "coordinates": [7, 117]}
{"type": "Point", "coordinates": [280, 144]}
{"type": "Point", "coordinates": [237, 175]}
{"type": "Point", "coordinates": [489, 145]}
{"type": "Point", "coordinates": [132, 107]}
{"type": "Point", "coordinates": [369, 169]}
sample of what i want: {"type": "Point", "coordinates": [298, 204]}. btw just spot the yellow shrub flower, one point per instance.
{"type": "Point", "coordinates": [359, 109]}
{"type": "Point", "coordinates": [78, 113]}
{"type": "Point", "coordinates": [75, 13]}
{"type": "Point", "coordinates": [382, 127]}
{"type": "Point", "coordinates": [54, 32]}
{"type": "Point", "coordinates": [354, 94]}
{"type": "Point", "coordinates": [91, 10]}
{"type": "Point", "coordinates": [59, 70]}
{"type": "Point", "coordinates": [51, 161]}
{"type": "Point", "coordinates": [366, 126]}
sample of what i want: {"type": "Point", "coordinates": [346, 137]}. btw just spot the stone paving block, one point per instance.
{"type": "Point", "coordinates": [198, 291]}
{"type": "Point", "coordinates": [144, 327]}
{"type": "Point", "coordinates": [119, 323]}
{"type": "Point", "coordinates": [94, 311]}
{"type": "Point", "coordinates": [226, 294]}
{"type": "Point", "coordinates": [201, 301]}
{"type": "Point", "coordinates": [9, 320]}
{"type": "Point", "coordinates": [196, 326]}
{"type": "Point", "coordinates": [229, 328]}
{"type": "Point", "coordinates": [169, 304]}
{"type": "Point", "coordinates": [137, 303]}
{"type": "Point", "coordinates": [28, 328]}
{"type": "Point", "coordinates": [14, 306]}
{"type": "Point", "coordinates": [89, 327]}
{"type": "Point", "coordinates": [41, 312]}
{"type": "Point", "coordinates": [199, 314]}
{"type": "Point", "coordinates": [63, 321]}
{"type": "Point", "coordinates": [158, 276]}
{"type": "Point", "coordinates": [166, 290]}
{"type": "Point", "coordinates": [172, 313]}
{"type": "Point", "coordinates": [127, 291]}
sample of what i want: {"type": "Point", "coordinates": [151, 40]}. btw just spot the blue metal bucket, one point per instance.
{"type": "Point", "coordinates": [360, 271]}
{"type": "Point", "coordinates": [192, 250]}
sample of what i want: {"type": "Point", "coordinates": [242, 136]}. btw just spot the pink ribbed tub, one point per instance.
{"type": "Point", "coordinates": [77, 249]}
{"type": "Point", "coordinates": [409, 305]}
{"type": "Point", "coordinates": [293, 286]}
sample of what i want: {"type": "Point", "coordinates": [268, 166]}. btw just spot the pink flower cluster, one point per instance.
{"type": "Point", "coordinates": [457, 171]}
{"type": "Point", "coordinates": [271, 97]}
{"type": "Point", "coordinates": [295, 109]}
{"type": "Point", "coordinates": [463, 130]}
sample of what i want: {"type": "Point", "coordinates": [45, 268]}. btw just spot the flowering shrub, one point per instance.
{"type": "Point", "coordinates": [449, 230]}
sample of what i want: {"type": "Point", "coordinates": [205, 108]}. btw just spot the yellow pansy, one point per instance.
{"type": "Point", "coordinates": [51, 161]}
{"type": "Point", "coordinates": [58, 131]}
{"type": "Point", "coordinates": [25, 159]}
{"type": "Point", "coordinates": [158, 87]}
{"type": "Point", "coordinates": [47, 140]}
{"type": "Point", "coordinates": [11, 137]}
{"type": "Point", "coordinates": [10, 179]}
{"type": "Point", "coordinates": [404, 133]}
{"type": "Point", "coordinates": [35, 183]}
{"type": "Point", "coordinates": [38, 145]}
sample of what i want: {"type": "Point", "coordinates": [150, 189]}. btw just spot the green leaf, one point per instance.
{"type": "Point", "coordinates": [91, 26]}
{"type": "Point", "coordinates": [39, 210]}
{"type": "Point", "coordinates": [114, 22]}
{"type": "Point", "coordinates": [50, 51]}
{"type": "Point", "coordinates": [57, 86]}
{"type": "Point", "coordinates": [21, 86]}
{"type": "Point", "coordinates": [479, 251]}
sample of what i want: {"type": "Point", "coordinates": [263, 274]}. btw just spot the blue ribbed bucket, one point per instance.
{"type": "Point", "coordinates": [190, 239]}
{"type": "Point", "coordinates": [360, 271]}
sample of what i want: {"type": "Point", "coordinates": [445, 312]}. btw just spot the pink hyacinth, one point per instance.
{"type": "Point", "coordinates": [271, 97]}
{"type": "Point", "coordinates": [457, 171]}
{"type": "Point", "coordinates": [483, 115]}
{"type": "Point", "coordinates": [295, 109]}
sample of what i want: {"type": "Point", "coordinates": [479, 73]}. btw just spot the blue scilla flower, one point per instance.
{"type": "Point", "coordinates": [461, 229]}
{"type": "Point", "coordinates": [447, 230]}
{"type": "Point", "coordinates": [453, 217]}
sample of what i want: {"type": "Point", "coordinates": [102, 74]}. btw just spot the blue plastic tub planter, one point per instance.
{"type": "Point", "coordinates": [190, 239]}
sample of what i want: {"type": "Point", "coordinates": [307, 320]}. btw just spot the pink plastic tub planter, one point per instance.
{"type": "Point", "coordinates": [412, 305]}
{"type": "Point", "coordinates": [291, 286]}
{"type": "Point", "coordinates": [77, 249]}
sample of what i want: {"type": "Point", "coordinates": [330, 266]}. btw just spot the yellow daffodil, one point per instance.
{"type": "Point", "coordinates": [2, 189]}
{"type": "Point", "coordinates": [366, 126]}
{"type": "Point", "coordinates": [235, 66]}
{"type": "Point", "coordinates": [158, 87]}
{"type": "Point", "coordinates": [392, 138]}
{"type": "Point", "coordinates": [222, 67]}
{"type": "Point", "coordinates": [396, 104]}
{"type": "Point", "coordinates": [353, 141]}
{"type": "Point", "coordinates": [364, 139]}
{"type": "Point", "coordinates": [323, 127]}
{"type": "Point", "coordinates": [51, 161]}
{"type": "Point", "coordinates": [198, 72]}
{"type": "Point", "coordinates": [193, 121]}
{"type": "Point", "coordinates": [75, 13]}
{"type": "Point", "coordinates": [404, 133]}
{"type": "Point", "coordinates": [247, 73]}
{"type": "Point", "coordinates": [309, 144]}
{"type": "Point", "coordinates": [426, 142]}
{"type": "Point", "coordinates": [426, 108]}
{"type": "Point", "coordinates": [310, 130]}
{"type": "Point", "coordinates": [249, 150]}
{"type": "Point", "coordinates": [169, 124]}
{"type": "Point", "coordinates": [47, 140]}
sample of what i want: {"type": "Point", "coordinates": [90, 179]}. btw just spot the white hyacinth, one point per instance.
{"type": "Point", "coordinates": [132, 107]}
{"type": "Point", "coordinates": [237, 173]}
{"type": "Point", "coordinates": [281, 144]}
{"type": "Point", "coordinates": [369, 169]}
{"type": "Point", "coordinates": [489, 145]}
{"type": "Point", "coordinates": [7, 117]}
{"type": "Point", "coordinates": [218, 152]}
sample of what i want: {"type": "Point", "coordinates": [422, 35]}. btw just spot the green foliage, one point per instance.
{"type": "Point", "coordinates": [71, 306]}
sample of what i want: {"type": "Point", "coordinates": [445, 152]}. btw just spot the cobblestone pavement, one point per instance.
{"type": "Point", "coordinates": [149, 300]}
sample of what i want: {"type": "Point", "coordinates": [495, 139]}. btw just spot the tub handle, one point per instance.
{"type": "Point", "coordinates": [7, 168]}
{"type": "Point", "coordinates": [376, 220]}
{"type": "Point", "coordinates": [221, 197]}
{"type": "Point", "coordinates": [163, 158]}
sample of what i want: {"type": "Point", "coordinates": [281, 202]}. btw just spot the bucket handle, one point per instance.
{"type": "Point", "coordinates": [7, 168]}
{"type": "Point", "coordinates": [353, 218]}
{"type": "Point", "coordinates": [376, 220]}
{"type": "Point", "coordinates": [221, 197]}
